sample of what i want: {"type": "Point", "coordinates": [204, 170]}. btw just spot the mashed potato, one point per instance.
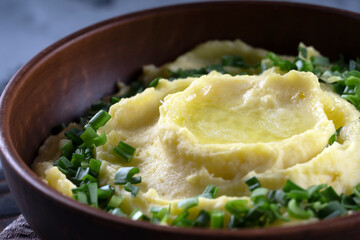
{"type": "Point", "coordinates": [222, 129]}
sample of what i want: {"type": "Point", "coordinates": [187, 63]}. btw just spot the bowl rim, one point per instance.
{"type": "Point", "coordinates": [15, 162]}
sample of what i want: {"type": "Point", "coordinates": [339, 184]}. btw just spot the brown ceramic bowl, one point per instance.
{"type": "Point", "coordinates": [63, 80]}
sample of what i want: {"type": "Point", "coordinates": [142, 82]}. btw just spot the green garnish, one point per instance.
{"type": "Point", "coordinates": [188, 203]}
{"type": "Point", "coordinates": [209, 192]}
{"type": "Point", "coordinates": [154, 82]}
{"type": "Point", "coordinates": [216, 219]}
{"type": "Point", "coordinates": [99, 120]}
{"type": "Point", "coordinates": [125, 151]}
{"type": "Point", "coordinates": [333, 137]}
{"type": "Point", "coordinates": [253, 183]}
{"type": "Point", "coordinates": [126, 175]}
{"type": "Point", "coordinates": [134, 190]}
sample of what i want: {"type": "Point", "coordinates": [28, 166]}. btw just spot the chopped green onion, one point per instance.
{"type": "Point", "coordinates": [105, 192]}
{"type": "Point", "coordinates": [330, 194]}
{"type": "Point", "coordinates": [237, 207]}
{"type": "Point", "coordinates": [320, 61]}
{"type": "Point", "coordinates": [99, 120]}
{"type": "Point", "coordinates": [125, 175]}
{"type": "Point", "coordinates": [253, 183]}
{"type": "Point", "coordinates": [76, 159]}
{"type": "Point", "coordinates": [275, 209]}
{"type": "Point", "coordinates": [125, 151]}
{"type": "Point", "coordinates": [216, 219]}
{"type": "Point", "coordinates": [88, 136]}
{"type": "Point", "coordinates": [188, 203]}
{"type": "Point", "coordinates": [203, 218]}
{"type": "Point", "coordinates": [74, 135]}
{"type": "Point", "coordinates": [333, 137]}
{"type": "Point", "coordinates": [298, 194]}
{"type": "Point", "coordinates": [95, 165]}
{"type": "Point", "coordinates": [154, 82]}
{"type": "Point", "coordinates": [117, 212]}
{"type": "Point", "coordinates": [100, 140]}
{"type": "Point", "coordinates": [68, 149]}
{"type": "Point", "coordinates": [303, 51]}
{"type": "Point", "coordinates": [290, 185]}
{"type": "Point", "coordinates": [82, 197]}
{"type": "Point", "coordinates": [93, 193]}
{"type": "Point", "coordinates": [136, 215]}
{"type": "Point", "coordinates": [134, 190]}
{"type": "Point", "coordinates": [296, 211]}
{"type": "Point", "coordinates": [209, 192]}
{"type": "Point", "coordinates": [331, 209]}
{"type": "Point", "coordinates": [259, 192]}
{"type": "Point", "coordinates": [114, 100]}
{"type": "Point", "coordinates": [115, 201]}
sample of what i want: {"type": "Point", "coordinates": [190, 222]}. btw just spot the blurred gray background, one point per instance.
{"type": "Point", "coordinates": [28, 26]}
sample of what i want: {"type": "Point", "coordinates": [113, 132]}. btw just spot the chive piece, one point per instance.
{"type": "Point", "coordinates": [125, 151]}
{"type": "Point", "coordinates": [188, 203]}
{"type": "Point", "coordinates": [233, 61]}
{"type": "Point", "coordinates": [125, 174]}
{"type": "Point", "coordinates": [275, 209]}
{"type": "Point", "coordinates": [100, 140]}
{"type": "Point", "coordinates": [259, 192]}
{"type": "Point", "coordinates": [256, 212]}
{"type": "Point", "coordinates": [136, 215]}
{"type": "Point", "coordinates": [81, 173]}
{"type": "Point", "coordinates": [290, 185]}
{"type": "Point", "coordinates": [117, 212]}
{"type": "Point", "coordinates": [203, 218]}
{"type": "Point", "coordinates": [115, 201]}
{"type": "Point", "coordinates": [237, 207]}
{"type": "Point", "coordinates": [320, 61]}
{"type": "Point", "coordinates": [74, 135]}
{"type": "Point", "coordinates": [88, 136]}
{"type": "Point", "coordinates": [68, 149]}
{"type": "Point", "coordinates": [93, 193]}
{"type": "Point", "coordinates": [253, 183]}
{"type": "Point", "coordinates": [105, 192]}
{"type": "Point", "coordinates": [280, 197]}
{"type": "Point", "coordinates": [333, 137]}
{"type": "Point", "coordinates": [82, 197]}
{"type": "Point", "coordinates": [98, 120]}
{"type": "Point", "coordinates": [330, 194]}
{"type": "Point", "coordinates": [134, 190]}
{"type": "Point", "coordinates": [95, 165]}
{"type": "Point", "coordinates": [357, 190]}
{"type": "Point", "coordinates": [314, 191]}
{"type": "Point", "coordinates": [64, 163]}
{"type": "Point", "coordinates": [209, 192]}
{"type": "Point", "coordinates": [331, 209]}
{"type": "Point", "coordinates": [76, 159]}
{"type": "Point", "coordinates": [298, 194]}
{"type": "Point", "coordinates": [302, 51]}
{"type": "Point", "coordinates": [284, 65]}
{"type": "Point", "coordinates": [154, 82]}
{"type": "Point", "coordinates": [216, 219]}
{"type": "Point", "coordinates": [114, 100]}
{"type": "Point", "coordinates": [58, 128]}
{"type": "Point", "coordinates": [296, 211]}
{"type": "Point", "coordinates": [179, 217]}
{"type": "Point", "coordinates": [160, 215]}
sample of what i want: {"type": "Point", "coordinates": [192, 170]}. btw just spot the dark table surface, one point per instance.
{"type": "Point", "coordinates": [27, 27]}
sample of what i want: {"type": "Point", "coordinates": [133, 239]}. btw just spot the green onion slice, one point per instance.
{"type": "Point", "coordinates": [134, 190]}
{"type": "Point", "coordinates": [125, 151]}
{"type": "Point", "coordinates": [216, 219]}
{"type": "Point", "coordinates": [98, 120]}
{"type": "Point", "coordinates": [209, 192]}
{"type": "Point", "coordinates": [253, 183]}
{"type": "Point", "coordinates": [188, 203]}
{"type": "Point", "coordinates": [125, 175]}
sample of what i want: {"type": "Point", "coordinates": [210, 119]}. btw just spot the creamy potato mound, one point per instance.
{"type": "Point", "coordinates": [221, 129]}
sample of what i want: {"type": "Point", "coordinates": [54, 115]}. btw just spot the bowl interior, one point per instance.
{"type": "Point", "coordinates": [61, 82]}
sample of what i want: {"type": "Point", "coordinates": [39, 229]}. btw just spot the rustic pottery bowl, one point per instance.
{"type": "Point", "coordinates": [63, 80]}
